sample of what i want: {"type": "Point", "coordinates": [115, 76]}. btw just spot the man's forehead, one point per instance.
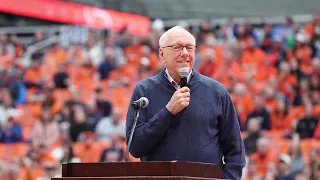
{"type": "Point", "coordinates": [182, 38]}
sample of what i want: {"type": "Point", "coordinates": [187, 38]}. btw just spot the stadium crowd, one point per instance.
{"type": "Point", "coordinates": [70, 104]}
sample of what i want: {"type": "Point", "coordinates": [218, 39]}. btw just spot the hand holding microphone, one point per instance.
{"type": "Point", "coordinates": [181, 98]}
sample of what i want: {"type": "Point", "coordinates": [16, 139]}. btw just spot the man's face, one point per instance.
{"type": "Point", "coordinates": [263, 148]}
{"type": "Point", "coordinates": [283, 167]}
{"type": "Point", "coordinates": [176, 57]}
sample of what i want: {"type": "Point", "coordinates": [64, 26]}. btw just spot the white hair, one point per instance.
{"type": "Point", "coordinates": [164, 36]}
{"type": "Point", "coordinates": [262, 140]}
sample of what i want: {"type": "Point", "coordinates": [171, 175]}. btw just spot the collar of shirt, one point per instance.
{"type": "Point", "coordinates": [175, 84]}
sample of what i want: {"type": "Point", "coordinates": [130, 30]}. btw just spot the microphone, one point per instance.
{"type": "Point", "coordinates": [183, 72]}
{"type": "Point", "coordinates": [143, 102]}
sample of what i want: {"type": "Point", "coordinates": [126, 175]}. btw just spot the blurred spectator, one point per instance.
{"type": "Point", "coordinates": [94, 115]}
{"type": "Point", "coordinates": [55, 56]}
{"type": "Point", "coordinates": [243, 102]}
{"type": "Point", "coordinates": [6, 47]}
{"type": "Point", "coordinates": [33, 76]}
{"type": "Point", "coordinates": [115, 152]}
{"type": "Point", "coordinates": [123, 75]}
{"type": "Point", "coordinates": [261, 113]}
{"type": "Point", "coordinates": [76, 56]}
{"type": "Point", "coordinates": [316, 66]}
{"type": "Point", "coordinates": [307, 123]}
{"type": "Point", "coordinates": [79, 122]}
{"type": "Point", "coordinates": [87, 147]}
{"type": "Point", "coordinates": [271, 99]}
{"type": "Point", "coordinates": [315, 42]}
{"type": "Point", "coordinates": [295, 153]}
{"type": "Point", "coordinates": [154, 45]}
{"type": "Point", "coordinates": [272, 171]}
{"type": "Point", "coordinates": [7, 108]}
{"type": "Point", "coordinates": [286, 80]}
{"type": "Point", "coordinates": [280, 119]}
{"type": "Point", "coordinates": [252, 170]}
{"type": "Point", "coordinates": [267, 43]}
{"type": "Point", "coordinates": [35, 161]}
{"type": "Point", "coordinates": [284, 168]}
{"type": "Point", "coordinates": [284, 32]}
{"type": "Point", "coordinates": [145, 68]}
{"type": "Point", "coordinates": [45, 132]}
{"type": "Point", "coordinates": [250, 31]}
{"type": "Point", "coordinates": [311, 28]}
{"type": "Point", "coordinates": [306, 173]}
{"type": "Point", "coordinates": [125, 39]}
{"type": "Point", "coordinates": [264, 156]}
{"type": "Point", "coordinates": [93, 51]}
{"type": "Point", "coordinates": [208, 63]}
{"type": "Point", "coordinates": [278, 53]}
{"type": "Point", "coordinates": [104, 107]}
{"type": "Point", "coordinates": [11, 132]}
{"type": "Point", "coordinates": [109, 126]}
{"type": "Point", "coordinates": [315, 163]}
{"type": "Point", "coordinates": [38, 36]}
{"type": "Point", "coordinates": [16, 86]}
{"type": "Point", "coordinates": [65, 153]}
{"type": "Point", "coordinates": [50, 171]}
{"type": "Point", "coordinates": [227, 35]}
{"type": "Point", "coordinates": [108, 64]}
{"type": "Point", "coordinates": [252, 57]}
{"type": "Point", "coordinates": [133, 52]}
{"type": "Point", "coordinates": [254, 133]}
{"type": "Point", "coordinates": [19, 49]}
{"type": "Point", "coordinates": [149, 63]}
{"type": "Point", "coordinates": [61, 78]}
{"type": "Point", "coordinates": [111, 42]}
{"type": "Point", "coordinates": [64, 119]}
{"type": "Point", "coordinates": [314, 82]}
{"type": "Point", "coordinates": [205, 29]}
{"type": "Point", "coordinates": [10, 171]}
{"type": "Point", "coordinates": [316, 133]}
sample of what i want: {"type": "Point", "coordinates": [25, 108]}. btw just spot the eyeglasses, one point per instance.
{"type": "Point", "coordinates": [177, 48]}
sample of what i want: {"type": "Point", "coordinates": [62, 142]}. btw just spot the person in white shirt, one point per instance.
{"type": "Point", "coordinates": [111, 125]}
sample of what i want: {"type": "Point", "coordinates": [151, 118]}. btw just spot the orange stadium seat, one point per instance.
{"type": "Point", "coordinates": [91, 153]}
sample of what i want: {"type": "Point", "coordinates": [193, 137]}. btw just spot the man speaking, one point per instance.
{"type": "Point", "coordinates": [190, 117]}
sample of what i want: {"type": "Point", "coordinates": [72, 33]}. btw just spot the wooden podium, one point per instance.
{"type": "Point", "coordinates": [140, 171]}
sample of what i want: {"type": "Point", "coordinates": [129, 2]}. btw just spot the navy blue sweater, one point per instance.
{"type": "Point", "coordinates": [207, 131]}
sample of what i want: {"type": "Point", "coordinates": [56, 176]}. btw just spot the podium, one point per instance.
{"type": "Point", "coordinates": [174, 170]}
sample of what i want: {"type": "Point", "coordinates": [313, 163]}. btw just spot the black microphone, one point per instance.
{"type": "Point", "coordinates": [140, 103]}
{"type": "Point", "coordinates": [143, 102]}
{"type": "Point", "coordinates": [183, 77]}
{"type": "Point", "coordinates": [183, 72]}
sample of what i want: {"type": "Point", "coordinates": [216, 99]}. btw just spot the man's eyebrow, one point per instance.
{"type": "Point", "coordinates": [181, 43]}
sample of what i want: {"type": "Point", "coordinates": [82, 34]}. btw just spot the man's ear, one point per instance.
{"type": "Point", "coordinates": [161, 55]}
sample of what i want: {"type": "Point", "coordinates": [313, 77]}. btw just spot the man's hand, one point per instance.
{"type": "Point", "coordinates": [179, 100]}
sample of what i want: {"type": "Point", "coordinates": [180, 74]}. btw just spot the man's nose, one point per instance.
{"type": "Point", "coordinates": [184, 52]}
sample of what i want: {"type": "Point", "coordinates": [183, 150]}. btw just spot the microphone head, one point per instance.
{"type": "Point", "coordinates": [146, 101]}
{"type": "Point", "coordinates": [183, 72]}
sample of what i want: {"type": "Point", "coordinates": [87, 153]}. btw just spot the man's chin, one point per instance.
{"type": "Point", "coordinates": [183, 65]}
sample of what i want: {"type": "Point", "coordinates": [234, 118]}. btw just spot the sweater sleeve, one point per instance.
{"type": "Point", "coordinates": [148, 132]}
{"type": "Point", "coordinates": [230, 140]}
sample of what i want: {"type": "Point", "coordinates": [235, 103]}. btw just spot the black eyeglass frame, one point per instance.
{"type": "Point", "coordinates": [171, 46]}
